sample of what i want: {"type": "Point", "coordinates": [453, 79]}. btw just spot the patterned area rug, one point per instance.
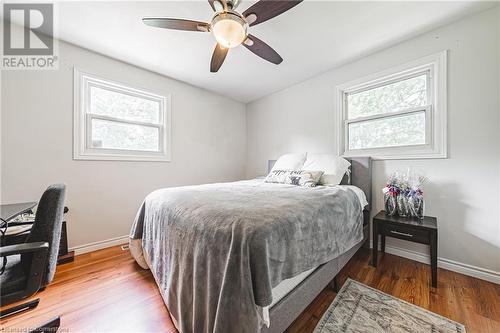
{"type": "Point", "coordinates": [359, 308]}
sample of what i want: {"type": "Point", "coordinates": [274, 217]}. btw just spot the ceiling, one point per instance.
{"type": "Point", "coordinates": [312, 37]}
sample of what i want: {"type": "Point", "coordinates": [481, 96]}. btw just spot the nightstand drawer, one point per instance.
{"type": "Point", "coordinates": [407, 233]}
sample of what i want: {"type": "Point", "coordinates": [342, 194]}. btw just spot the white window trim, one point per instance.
{"type": "Point", "coordinates": [436, 116]}
{"type": "Point", "coordinates": [81, 121]}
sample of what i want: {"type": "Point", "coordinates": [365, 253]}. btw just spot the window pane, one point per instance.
{"type": "Point", "coordinates": [393, 97]}
{"type": "Point", "coordinates": [115, 135]}
{"type": "Point", "coordinates": [403, 130]}
{"type": "Point", "coordinates": [114, 104]}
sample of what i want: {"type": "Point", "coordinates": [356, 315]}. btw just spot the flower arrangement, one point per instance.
{"type": "Point", "coordinates": [404, 195]}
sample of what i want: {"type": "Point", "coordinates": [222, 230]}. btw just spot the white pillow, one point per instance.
{"type": "Point", "coordinates": [290, 162]}
{"type": "Point", "coordinates": [334, 167]}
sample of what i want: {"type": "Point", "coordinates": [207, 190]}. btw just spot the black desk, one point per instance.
{"type": "Point", "coordinates": [10, 211]}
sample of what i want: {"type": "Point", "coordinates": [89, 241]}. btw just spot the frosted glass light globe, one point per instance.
{"type": "Point", "coordinates": [229, 29]}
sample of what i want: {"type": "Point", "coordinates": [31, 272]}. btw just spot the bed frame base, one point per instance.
{"type": "Point", "coordinates": [283, 313]}
{"type": "Point", "coordinates": [334, 284]}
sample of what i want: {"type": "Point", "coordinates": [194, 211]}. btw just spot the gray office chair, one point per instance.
{"type": "Point", "coordinates": [31, 265]}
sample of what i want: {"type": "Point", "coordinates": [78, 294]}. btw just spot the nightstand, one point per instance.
{"type": "Point", "coordinates": [407, 228]}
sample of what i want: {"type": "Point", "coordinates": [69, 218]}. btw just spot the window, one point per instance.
{"type": "Point", "coordinates": [115, 122]}
{"type": "Point", "coordinates": [400, 113]}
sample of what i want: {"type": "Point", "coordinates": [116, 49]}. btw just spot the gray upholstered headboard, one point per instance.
{"type": "Point", "coordinates": [361, 175]}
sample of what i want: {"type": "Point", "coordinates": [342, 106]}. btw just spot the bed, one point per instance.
{"type": "Point", "coordinates": [223, 254]}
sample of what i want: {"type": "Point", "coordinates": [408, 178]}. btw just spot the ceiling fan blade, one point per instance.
{"type": "Point", "coordinates": [176, 24]}
{"type": "Point", "coordinates": [218, 58]}
{"type": "Point", "coordinates": [223, 3]}
{"type": "Point", "coordinates": [211, 3]}
{"type": "Point", "coordinates": [262, 50]}
{"type": "Point", "coordinates": [267, 9]}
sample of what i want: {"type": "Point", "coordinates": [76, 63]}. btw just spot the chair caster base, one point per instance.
{"type": "Point", "coordinates": [49, 327]}
{"type": "Point", "coordinates": [19, 308]}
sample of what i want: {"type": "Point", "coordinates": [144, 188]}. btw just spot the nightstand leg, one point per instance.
{"type": "Point", "coordinates": [382, 246]}
{"type": "Point", "coordinates": [434, 258]}
{"type": "Point", "coordinates": [375, 245]}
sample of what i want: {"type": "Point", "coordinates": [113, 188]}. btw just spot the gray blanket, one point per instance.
{"type": "Point", "coordinates": [216, 251]}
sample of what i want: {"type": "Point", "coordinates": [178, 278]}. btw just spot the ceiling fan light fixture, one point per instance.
{"type": "Point", "coordinates": [229, 29]}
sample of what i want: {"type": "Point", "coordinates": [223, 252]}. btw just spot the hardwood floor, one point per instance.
{"type": "Point", "coordinates": [106, 291]}
{"type": "Point", "coordinates": [102, 291]}
{"type": "Point", "coordinates": [470, 301]}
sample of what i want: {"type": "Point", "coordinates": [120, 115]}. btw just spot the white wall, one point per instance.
{"type": "Point", "coordinates": [498, 52]}
{"type": "Point", "coordinates": [208, 144]}
{"type": "Point", "coordinates": [464, 189]}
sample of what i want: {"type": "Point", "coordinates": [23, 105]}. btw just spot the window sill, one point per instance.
{"type": "Point", "coordinates": [401, 153]}
{"type": "Point", "coordinates": [389, 156]}
{"type": "Point", "coordinates": [121, 157]}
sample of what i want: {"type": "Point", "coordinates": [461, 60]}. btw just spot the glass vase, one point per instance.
{"type": "Point", "coordinates": [402, 205]}
{"type": "Point", "coordinates": [390, 204]}
{"type": "Point", "coordinates": [416, 206]}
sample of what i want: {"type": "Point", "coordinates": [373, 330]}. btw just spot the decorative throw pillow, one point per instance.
{"type": "Point", "coordinates": [334, 167]}
{"type": "Point", "coordinates": [294, 177]}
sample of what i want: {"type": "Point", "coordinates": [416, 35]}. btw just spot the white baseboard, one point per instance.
{"type": "Point", "coordinates": [99, 245]}
{"type": "Point", "coordinates": [455, 266]}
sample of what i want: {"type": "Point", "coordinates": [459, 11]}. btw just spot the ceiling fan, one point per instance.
{"type": "Point", "coordinates": [230, 27]}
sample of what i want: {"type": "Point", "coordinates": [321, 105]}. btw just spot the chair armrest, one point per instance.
{"type": "Point", "coordinates": [12, 224]}
{"type": "Point", "coordinates": [37, 263]}
{"type": "Point", "coordinates": [23, 248]}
